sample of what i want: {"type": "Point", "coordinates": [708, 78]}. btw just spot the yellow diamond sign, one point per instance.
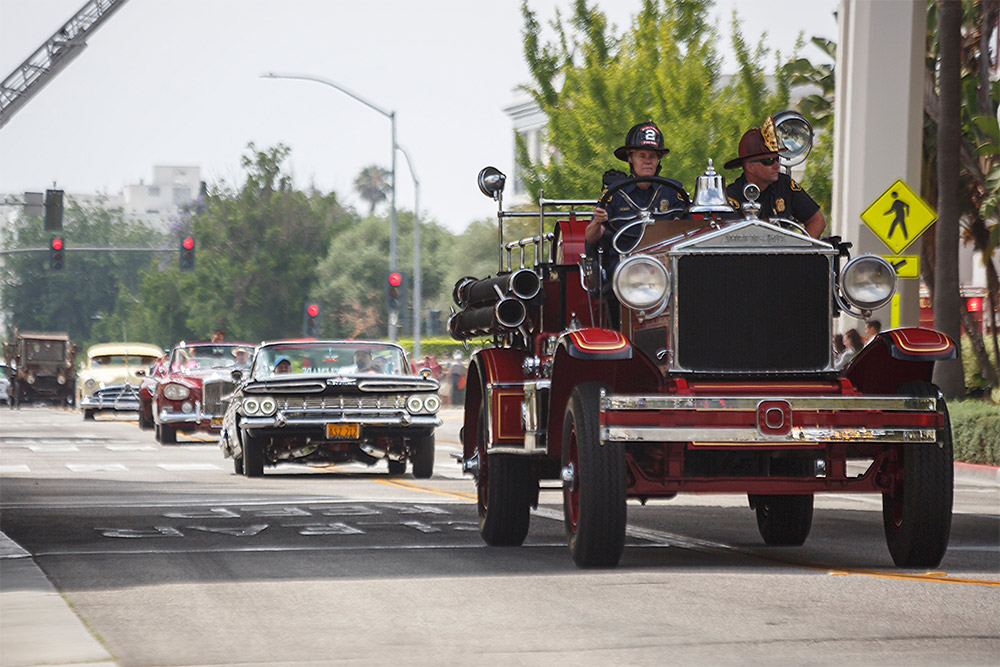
{"type": "Point", "coordinates": [899, 216]}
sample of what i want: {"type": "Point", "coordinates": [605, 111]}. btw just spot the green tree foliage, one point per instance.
{"type": "Point", "coordinates": [373, 185]}
{"type": "Point", "coordinates": [83, 295]}
{"type": "Point", "coordinates": [594, 86]}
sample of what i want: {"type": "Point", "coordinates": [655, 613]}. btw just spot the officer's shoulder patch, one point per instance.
{"type": "Point", "coordinates": [795, 186]}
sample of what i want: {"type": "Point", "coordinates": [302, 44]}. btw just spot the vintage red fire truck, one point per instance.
{"type": "Point", "coordinates": [719, 379]}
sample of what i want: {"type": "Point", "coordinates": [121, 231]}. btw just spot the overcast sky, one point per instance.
{"type": "Point", "coordinates": [177, 82]}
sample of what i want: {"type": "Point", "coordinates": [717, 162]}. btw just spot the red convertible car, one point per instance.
{"type": "Point", "coordinates": [189, 387]}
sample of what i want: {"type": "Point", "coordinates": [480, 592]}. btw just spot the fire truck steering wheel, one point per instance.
{"type": "Point", "coordinates": [626, 237]}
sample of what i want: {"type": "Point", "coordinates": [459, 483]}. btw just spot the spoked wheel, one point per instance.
{"type": "Point", "coordinates": [422, 456]}
{"type": "Point", "coordinates": [594, 487]}
{"type": "Point", "coordinates": [505, 491]}
{"type": "Point", "coordinates": [785, 520]}
{"type": "Point", "coordinates": [917, 513]}
{"type": "Point", "coordinates": [253, 455]}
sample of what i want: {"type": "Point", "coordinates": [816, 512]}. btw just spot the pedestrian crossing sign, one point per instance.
{"type": "Point", "coordinates": [907, 266]}
{"type": "Point", "coordinates": [899, 216]}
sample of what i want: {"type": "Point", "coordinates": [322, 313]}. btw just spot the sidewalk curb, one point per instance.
{"type": "Point", "coordinates": [37, 625]}
{"type": "Point", "coordinates": [977, 471]}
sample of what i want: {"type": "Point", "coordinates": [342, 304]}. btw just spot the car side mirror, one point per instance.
{"type": "Point", "coordinates": [425, 373]}
{"type": "Point", "coordinates": [141, 372]}
{"type": "Point", "coordinates": [237, 375]}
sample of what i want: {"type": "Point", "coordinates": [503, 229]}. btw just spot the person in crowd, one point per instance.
{"type": "Point", "coordinates": [456, 378]}
{"type": "Point", "coordinates": [643, 149]}
{"type": "Point", "coordinates": [872, 329]}
{"type": "Point", "coordinates": [780, 195]}
{"type": "Point", "coordinates": [838, 349]}
{"type": "Point", "coordinates": [242, 357]}
{"type": "Point", "coordinates": [853, 343]}
{"type": "Point", "coordinates": [218, 335]}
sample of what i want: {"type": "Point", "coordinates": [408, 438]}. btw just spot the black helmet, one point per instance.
{"type": "Point", "coordinates": [644, 136]}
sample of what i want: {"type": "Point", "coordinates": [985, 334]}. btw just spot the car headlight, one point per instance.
{"type": "Point", "coordinates": [268, 406]}
{"type": "Point", "coordinates": [414, 404]}
{"type": "Point", "coordinates": [90, 383]}
{"type": "Point", "coordinates": [868, 281]}
{"type": "Point", "coordinates": [251, 406]}
{"type": "Point", "coordinates": [641, 282]}
{"type": "Point", "coordinates": [175, 392]}
{"type": "Point", "coordinates": [432, 404]}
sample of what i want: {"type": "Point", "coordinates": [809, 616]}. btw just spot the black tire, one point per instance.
{"type": "Point", "coordinates": [396, 468]}
{"type": "Point", "coordinates": [253, 456]}
{"type": "Point", "coordinates": [238, 465]}
{"type": "Point", "coordinates": [166, 435]}
{"type": "Point", "coordinates": [145, 423]}
{"type": "Point", "coordinates": [505, 492]}
{"type": "Point", "coordinates": [917, 514]}
{"type": "Point", "coordinates": [785, 520]}
{"type": "Point", "coordinates": [88, 415]}
{"type": "Point", "coordinates": [422, 456]}
{"type": "Point", "coordinates": [594, 498]}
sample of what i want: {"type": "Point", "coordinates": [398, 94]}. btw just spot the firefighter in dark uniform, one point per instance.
{"type": "Point", "coordinates": [642, 151]}
{"type": "Point", "coordinates": [780, 195]}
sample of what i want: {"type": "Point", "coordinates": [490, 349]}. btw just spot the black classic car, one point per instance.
{"type": "Point", "coordinates": [330, 402]}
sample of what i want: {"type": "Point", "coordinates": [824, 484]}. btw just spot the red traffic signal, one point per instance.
{"type": "Point", "coordinates": [395, 278]}
{"type": "Point", "coordinates": [187, 253]}
{"type": "Point", "coordinates": [188, 242]}
{"type": "Point", "coordinates": [312, 309]}
{"type": "Point", "coordinates": [56, 256]}
{"type": "Point", "coordinates": [974, 304]}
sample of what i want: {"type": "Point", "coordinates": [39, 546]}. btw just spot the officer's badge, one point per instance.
{"type": "Point", "coordinates": [664, 206]}
{"type": "Point", "coordinates": [779, 205]}
{"type": "Point", "coordinates": [796, 186]}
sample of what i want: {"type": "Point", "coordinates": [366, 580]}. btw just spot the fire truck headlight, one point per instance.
{"type": "Point", "coordinates": [868, 282]}
{"type": "Point", "coordinates": [641, 282]}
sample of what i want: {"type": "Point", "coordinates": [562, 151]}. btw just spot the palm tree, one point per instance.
{"type": "Point", "coordinates": [372, 184]}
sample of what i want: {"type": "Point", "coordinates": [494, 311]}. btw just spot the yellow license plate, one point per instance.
{"type": "Point", "coordinates": [342, 431]}
{"type": "Point", "coordinates": [216, 421]}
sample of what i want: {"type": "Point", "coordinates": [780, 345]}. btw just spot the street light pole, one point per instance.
{"type": "Point", "coordinates": [391, 115]}
{"type": "Point", "coordinates": [417, 306]}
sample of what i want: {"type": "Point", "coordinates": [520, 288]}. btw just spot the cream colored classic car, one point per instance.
{"type": "Point", "coordinates": [107, 379]}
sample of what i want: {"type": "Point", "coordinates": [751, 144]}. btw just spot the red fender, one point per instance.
{"type": "Point", "coordinates": [595, 355]}
{"type": "Point", "coordinates": [499, 372]}
{"type": "Point", "coordinates": [897, 356]}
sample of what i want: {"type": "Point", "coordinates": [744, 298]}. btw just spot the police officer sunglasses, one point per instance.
{"type": "Point", "coordinates": [768, 161]}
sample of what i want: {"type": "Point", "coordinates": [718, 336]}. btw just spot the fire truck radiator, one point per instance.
{"type": "Point", "coordinates": [753, 313]}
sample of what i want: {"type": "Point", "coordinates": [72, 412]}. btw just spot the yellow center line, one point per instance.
{"type": "Point", "coordinates": [428, 489]}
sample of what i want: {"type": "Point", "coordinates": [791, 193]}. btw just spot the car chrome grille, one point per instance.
{"type": "Point", "coordinates": [119, 392]}
{"type": "Point", "coordinates": [212, 392]}
{"type": "Point", "coordinates": [342, 403]}
{"type": "Point", "coordinates": [753, 313]}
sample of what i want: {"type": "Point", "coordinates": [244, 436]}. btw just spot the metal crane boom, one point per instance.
{"type": "Point", "coordinates": [51, 57]}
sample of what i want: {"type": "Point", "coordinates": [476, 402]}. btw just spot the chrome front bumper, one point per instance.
{"type": "Point", "coordinates": [120, 398]}
{"type": "Point", "coordinates": [196, 418]}
{"type": "Point", "coordinates": [768, 420]}
{"type": "Point", "coordinates": [396, 419]}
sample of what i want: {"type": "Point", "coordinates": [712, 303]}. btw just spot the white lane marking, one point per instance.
{"type": "Point", "coordinates": [53, 449]}
{"type": "Point", "coordinates": [96, 467]}
{"type": "Point", "coordinates": [131, 448]}
{"type": "Point", "coordinates": [187, 466]}
{"type": "Point", "coordinates": [17, 467]}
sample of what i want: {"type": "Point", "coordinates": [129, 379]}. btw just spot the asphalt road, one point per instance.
{"type": "Point", "coordinates": [171, 559]}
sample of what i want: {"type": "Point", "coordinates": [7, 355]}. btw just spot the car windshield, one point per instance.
{"type": "Point", "coordinates": [44, 350]}
{"type": "Point", "coordinates": [329, 359]}
{"type": "Point", "coordinates": [120, 360]}
{"type": "Point", "coordinates": [202, 357]}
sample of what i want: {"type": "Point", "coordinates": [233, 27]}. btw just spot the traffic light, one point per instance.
{"type": "Point", "coordinates": [974, 304]}
{"type": "Point", "coordinates": [187, 253]}
{"type": "Point", "coordinates": [53, 210]}
{"type": "Point", "coordinates": [310, 320]}
{"type": "Point", "coordinates": [57, 250]}
{"type": "Point", "coordinates": [394, 291]}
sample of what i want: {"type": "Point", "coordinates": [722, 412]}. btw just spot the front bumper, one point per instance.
{"type": "Point", "coordinates": [198, 418]}
{"type": "Point", "coordinates": [123, 398]}
{"type": "Point", "coordinates": [393, 419]}
{"type": "Point", "coordinates": [768, 421]}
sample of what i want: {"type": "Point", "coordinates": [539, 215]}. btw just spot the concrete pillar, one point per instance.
{"type": "Point", "coordinates": [878, 126]}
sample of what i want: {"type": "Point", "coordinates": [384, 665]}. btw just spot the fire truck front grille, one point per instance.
{"type": "Point", "coordinates": [753, 313]}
